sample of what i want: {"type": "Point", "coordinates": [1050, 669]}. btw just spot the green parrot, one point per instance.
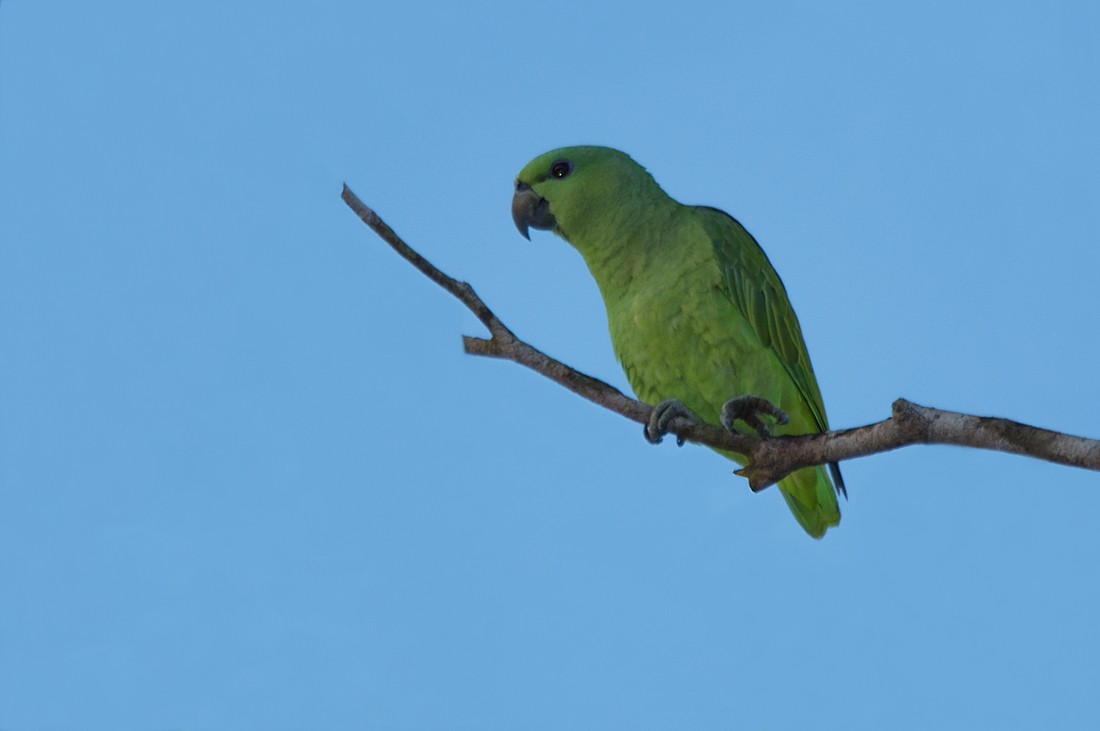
{"type": "Point", "coordinates": [696, 312]}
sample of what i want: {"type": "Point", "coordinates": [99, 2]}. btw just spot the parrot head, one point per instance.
{"type": "Point", "coordinates": [570, 189]}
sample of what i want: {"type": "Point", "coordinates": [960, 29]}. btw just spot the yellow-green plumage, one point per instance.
{"type": "Point", "coordinates": [695, 309]}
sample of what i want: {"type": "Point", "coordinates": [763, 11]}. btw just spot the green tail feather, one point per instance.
{"type": "Point", "coordinates": [811, 497]}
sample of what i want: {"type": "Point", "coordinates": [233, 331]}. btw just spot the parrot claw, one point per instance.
{"type": "Point", "coordinates": [662, 416]}
{"type": "Point", "coordinates": [748, 410]}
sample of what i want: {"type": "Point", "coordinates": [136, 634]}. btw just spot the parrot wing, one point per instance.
{"type": "Point", "coordinates": [754, 287]}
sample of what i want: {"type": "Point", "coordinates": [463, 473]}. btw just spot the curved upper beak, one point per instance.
{"type": "Point", "coordinates": [529, 209]}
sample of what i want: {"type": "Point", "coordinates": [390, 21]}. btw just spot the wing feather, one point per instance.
{"type": "Point", "coordinates": [755, 288]}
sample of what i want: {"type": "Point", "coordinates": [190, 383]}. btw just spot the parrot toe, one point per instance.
{"type": "Point", "coordinates": [662, 416]}
{"type": "Point", "coordinates": [748, 410]}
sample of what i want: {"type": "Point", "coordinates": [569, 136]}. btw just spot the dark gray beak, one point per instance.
{"type": "Point", "coordinates": [529, 209]}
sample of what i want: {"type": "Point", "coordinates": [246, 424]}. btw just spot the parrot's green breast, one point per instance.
{"type": "Point", "coordinates": [678, 336]}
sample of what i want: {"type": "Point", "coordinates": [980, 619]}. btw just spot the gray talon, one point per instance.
{"type": "Point", "coordinates": [748, 409]}
{"type": "Point", "coordinates": [662, 416]}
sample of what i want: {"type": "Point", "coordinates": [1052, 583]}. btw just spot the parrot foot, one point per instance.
{"type": "Point", "coordinates": [748, 410]}
{"type": "Point", "coordinates": [663, 414]}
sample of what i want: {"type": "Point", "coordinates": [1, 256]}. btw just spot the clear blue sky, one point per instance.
{"type": "Point", "coordinates": [248, 479]}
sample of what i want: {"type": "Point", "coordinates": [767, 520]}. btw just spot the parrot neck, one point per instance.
{"type": "Point", "coordinates": [622, 249]}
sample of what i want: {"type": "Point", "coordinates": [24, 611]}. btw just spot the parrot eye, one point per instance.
{"type": "Point", "coordinates": [560, 168]}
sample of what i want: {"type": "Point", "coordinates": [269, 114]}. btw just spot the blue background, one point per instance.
{"type": "Point", "coordinates": [248, 479]}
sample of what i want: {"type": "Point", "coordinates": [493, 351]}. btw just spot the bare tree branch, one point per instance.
{"type": "Point", "coordinates": [769, 458]}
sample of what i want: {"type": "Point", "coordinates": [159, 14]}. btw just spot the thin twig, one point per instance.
{"type": "Point", "coordinates": [769, 458]}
